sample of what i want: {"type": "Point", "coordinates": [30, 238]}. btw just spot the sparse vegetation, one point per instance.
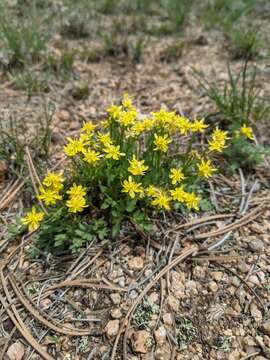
{"type": "Point", "coordinates": [28, 81]}
{"type": "Point", "coordinates": [239, 98]}
{"type": "Point", "coordinates": [21, 42]}
{"type": "Point", "coordinates": [244, 42]}
{"type": "Point", "coordinates": [186, 332]}
{"type": "Point", "coordinates": [15, 136]}
{"type": "Point", "coordinates": [239, 101]}
{"type": "Point", "coordinates": [143, 315]}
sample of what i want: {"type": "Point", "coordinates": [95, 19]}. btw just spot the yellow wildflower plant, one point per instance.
{"type": "Point", "coordinates": [163, 118]}
{"type": "Point", "coordinates": [49, 196]}
{"type": "Point", "coordinates": [247, 132]}
{"type": "Point", "coordinates": [128, 167]}
{"type": "Point", "coordinates": [88, 127]}
{"type": "Point", "coordinates": [105, 139]}
{"type": "Point", "coordinates": [33, 219]}
{"type": "Point", "coordinates": [176, 175]}
{"type": "Point", "coordinates": [91, 156]}
{"type": "Point", "coordinates": [53, 180]}
{"type": "Point", "coordinates": [137, 167]}
{"type": "Point", "coordinates": [113, 152]}
{"type": "Point", "coordinates": [161, 201]}
{"type": "Point", "coordinates": [205, 168]}
{"type": "Point", "coordinates": [127, 118]}
{"type": "Point", "coordinates": [132, 188]}
{"type": "Point", "coordinates": [182, 124]}
{"type": "Point", "coordinates": [161, 142]}
{"type": "Point", "coordinates": [151, 191]}
{"type": "Point", "coordinates": [178, 194]}
{"type": "Point", "coordinates": [198, 126]}
{"type": "Point", "coordinates": [217, 143]}
{"type": "Point", "coordinates": [192, 201]}
{"type": "Point", "coordinates": [114, 111]}
{"type": "Point", "coordinates": [77, 191]}
{"type": "Point", "coordinates": [74, 147]}
{"type": "Point", "coordinates": [127, 102]}
{"type": "Point", "coordinates": [76, 204]}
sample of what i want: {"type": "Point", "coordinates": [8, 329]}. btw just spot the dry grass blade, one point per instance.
{"type": "Point", "coordinates": [3, 352]}
{"type": "Point", "coordinates": [84, 283]}
{"type": "Point", "coordinates": [228, 258]}
{"type": "Point", "coordinates": [243, 221]}
{"type": "Point", "coordinates": [34, 177]}
{"type": "Point", "coordinates": [10, 194]}
{"type": "Point", "coordinates": [78, 271]}
{"type": "Point", "coordinates": [185, 253]}
{"type": "Point", "coordinates": [18, 322]}
{"type": "Point", "coordinates": [41, 319]}
{"type": "Point", "coordinates": [201, 221]}
{"type": "Point", "coordinates": [34, 172]}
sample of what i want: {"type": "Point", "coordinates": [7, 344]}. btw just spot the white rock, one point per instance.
{"type": "Point", "coordinates": [141, 341]}
{"type": "Point", "coordinates": [172, 303]}
{"type": "Point", "coordinates": [265, 327]}
{"type": "Point", "coordinates": [255, 245]}
{"type": "Point", "coordinates": [212, 286]}
{"type": "Point", "coordinates": [178, 284]}
{"type": "Point", "coordinates": [167, 319]}
{"type": "Point", "coordinates": [112, 328]}
{"type": "Point", "coordinates": [16, 351]}
{"type": "Point", "coordinates": [136, 263]}
{"type": "Point", "coordinates": [160, 335]}
{"type": "Point", "coordinates": [115, 298]}
{"type": "Point", "coordinates": [116, 313]}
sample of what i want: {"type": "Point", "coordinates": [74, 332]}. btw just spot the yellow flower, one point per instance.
{"type": "Point", "coordinates": [205, 168]}
{"type": "Point", "coordinates": [176, 175]}
{"type": "Point", "coordinates": [198, 126]}
{"type": "Point", "coordinates": [247, 132]}
{"type": "Point", "coordinates": [182, 124]}
{"type": "Point", "coordinates": [218, 140]}
{"type": "Point", "coordinates": [105, 139]}
{"type": "Point", "coordinates": [163, 118]}
{"type": "Point", "coordinates": [138, 128]}
{"type": "Point", "coordinates": [178, 194]}
{"type": "Point", "coordinates": [161, 142]}
{"type": "Point", "coordinates": [148, 124]}
{"type": "Point", "coordinates": [161, 200]}
{"type": "Point", "coordinates": [77, 190]}
{"type": "Point", "coordinates": [127, 102]}
{"type": "Point", "coordinates": [88, 127]}
{"type": "Point", "coordinates": [114, 111]}
{"type": "Point", "coordinates": [131, 187]}
{"type": "Point", "coordinates": [91, 156]}
{"type": "Point", "coordinates": [105, 123]}
{"type": "Point", "coordinates": [74, 147]}
{"type": "Point", "coordinates": [76, 204]}
{"type": "Point", "coordinates": [192, 201]}
{"type": "Point", "coordinates": [53, 180]}
{"type": "Point", "coordinates": [127, 118]}
{"type": "Point", "coordinates": [151, 190]}
{"type": "Point", "coordinates": [85, 139]}
{"type": "Point", "coordinates": [113, 152]}
{"type": "Point", "coordinates": [48, 196]}
{"type": "Point", "coordinates": [137, 167]}
{"type": "Point", "coordinates": [32, 219]}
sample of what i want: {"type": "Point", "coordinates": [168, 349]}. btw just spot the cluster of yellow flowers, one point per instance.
{"type": "Point", "coordinates": [132, 155]}
{"type": "Point", "coordinates": [76, 201]}
{"type": "Point", "coordinates": [49, 191]}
